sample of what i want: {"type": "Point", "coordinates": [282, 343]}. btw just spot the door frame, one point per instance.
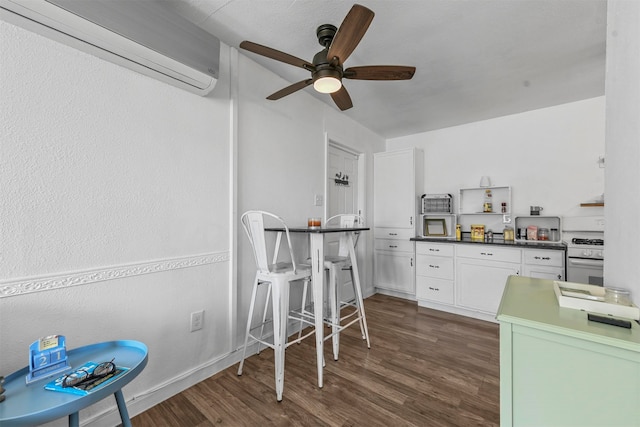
{"type": "Point", "coordinates": [361, 198]}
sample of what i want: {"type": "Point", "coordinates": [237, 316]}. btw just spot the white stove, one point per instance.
{"type": "Point", "coordinates": [584, 237]}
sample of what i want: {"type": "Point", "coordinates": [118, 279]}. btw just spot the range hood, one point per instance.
{"type": "Point", "coordinates": [145, 36]}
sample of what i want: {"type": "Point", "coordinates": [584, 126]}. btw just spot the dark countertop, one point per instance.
{"type": "Point", "coordinates": [498, 241]}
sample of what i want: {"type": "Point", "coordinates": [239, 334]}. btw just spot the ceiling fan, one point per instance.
{"type": "Point", "coordinates": [327, 70]}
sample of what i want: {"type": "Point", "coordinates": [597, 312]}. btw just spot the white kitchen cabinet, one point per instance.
{"type": "Point", "coordinates": [397, 185]}
{"type": "Point", "coordinates": [395, 271]}
{"type": "Point", "coordinates": [544, 264]}
{"type": "Point", "coordinates": [435, 272]}
{"type": "Point", "coordinates": [481, 273]}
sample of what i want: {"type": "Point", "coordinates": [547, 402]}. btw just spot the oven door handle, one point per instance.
{"type": "Point", "coordinates": [586, 262]}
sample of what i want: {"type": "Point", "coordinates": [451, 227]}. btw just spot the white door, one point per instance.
{"type": "Point", "coordinates": [342, 197]}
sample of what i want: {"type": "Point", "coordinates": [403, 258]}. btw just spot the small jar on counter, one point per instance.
{"type": "Point", "coordinates": [554, 236]}
{"type": "Point", "coordinates": [543, 234]}
{"type": "Point", "coordinates": [458, 232]}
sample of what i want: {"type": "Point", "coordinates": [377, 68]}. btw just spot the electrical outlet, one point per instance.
{"type": "Point", "coordinates": [197, 320]}
{"type": "Point", "coordinates": [318, 200]}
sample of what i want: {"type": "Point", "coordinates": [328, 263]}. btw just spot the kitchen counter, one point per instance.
{"type": "Point", "coordinates": [466, 239]}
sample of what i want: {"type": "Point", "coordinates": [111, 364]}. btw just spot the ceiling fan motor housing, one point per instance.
{"type": "Point", "coordinates": [325, 69]}
{"type": "Point", "coordinates": [325, 34]}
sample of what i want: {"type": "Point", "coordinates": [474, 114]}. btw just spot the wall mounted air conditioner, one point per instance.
{"type": "Point", "coordinates": [146, 36]}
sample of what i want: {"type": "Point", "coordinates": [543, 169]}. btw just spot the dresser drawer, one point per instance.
{"type": "Point", "coordinates": [437, 290]}
{"type": "Point", "coordinates": [438, 249]}
{"type": "Point", "coordinates": [489, 252]}
{"type": "Point", "coordinates": [544, 257]}
{"type": "Point", "coordinates": [393, 233]}
{"type": "Point", "coordinates": [394, 245]}
{"type": "Point", "coordinates": [434, 266]}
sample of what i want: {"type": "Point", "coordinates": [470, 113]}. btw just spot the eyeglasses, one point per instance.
{"type": "Point", "coordinates": [84, 375]}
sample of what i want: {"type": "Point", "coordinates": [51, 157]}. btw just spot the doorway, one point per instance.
{"type": "Point", "coordinates": [342, 197]}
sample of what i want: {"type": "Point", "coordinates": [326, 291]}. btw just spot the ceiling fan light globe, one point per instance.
{"type": "Point", "coordinates": [327, 84]}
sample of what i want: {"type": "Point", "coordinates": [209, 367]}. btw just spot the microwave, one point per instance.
{"type": "Point", "coordinates": [441, 226]}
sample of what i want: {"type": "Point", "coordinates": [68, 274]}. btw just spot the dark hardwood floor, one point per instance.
{"type": "Point", "coordinates": [424, 368]}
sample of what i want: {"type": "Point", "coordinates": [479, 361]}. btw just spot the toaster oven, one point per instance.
{"type": "Point", "coordinates": [436, 204]}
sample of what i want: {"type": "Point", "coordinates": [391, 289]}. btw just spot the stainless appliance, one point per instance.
{"type": "Point", "coordinates": [437, 218]}
{"type": "Point", "coordinates": [436, 204]}
{"type": "Point", "coordinates": [584, 237]}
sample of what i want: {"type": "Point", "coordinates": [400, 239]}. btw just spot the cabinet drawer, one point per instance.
{"type": "Point", "coordinates": [438, 249]}
{"type": "Point", "coordinates": [489, 252]}
{"type": "Point", "coordinates": [394, 245]}
{"type": "Point", "coordinates": [393, 233]}
{"type": "Point", "coordinates": [434, 266]}
{"type": "Point", "coordinates": [544, 257]}
{"type": "Point", "coordinates": [437, 290]}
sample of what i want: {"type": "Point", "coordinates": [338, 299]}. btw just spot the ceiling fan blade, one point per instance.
{"type": "Point", "coordinates": [380, 72]}
{"type": "Point", "coordinates": [350, 33]}
{"type": "Point", "coordinates": [276, 54]}
{"type": "Point", "coordinates": [342, 99]}
{"type": "Point", "coordinates": [289, 89]}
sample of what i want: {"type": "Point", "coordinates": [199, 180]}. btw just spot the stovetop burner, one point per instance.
{"type": "Point", "coordinates": [594, 242]}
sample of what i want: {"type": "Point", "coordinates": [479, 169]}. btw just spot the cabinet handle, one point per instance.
{"type": "Point", "coordinates": [433, 289]}
{"type": "Point", "coordinates": [393, 246]}
{"type": "Point", "coordinates": [411, 261]}
{"type": "Point", "coordinates": [393, 234]}
{"type": "Point", "coordinates": [546, 258]}
{"type": "Point", "coordinates": [410, 220]}
{"type": "Point", "coordinates": [434, 266]}
{"type": "Point", "coordinates": [486, 253]}
{"type": "Point", "coordinates": [434, 250]}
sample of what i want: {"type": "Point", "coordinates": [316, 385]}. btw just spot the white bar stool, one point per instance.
{"type": "Point", "coordinates": [278, 277]}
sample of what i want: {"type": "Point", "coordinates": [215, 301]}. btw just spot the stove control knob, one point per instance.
{"type": "Point", "coordinates": [586, 252]}
{"type": "Point", "coordinates": [600, 254]}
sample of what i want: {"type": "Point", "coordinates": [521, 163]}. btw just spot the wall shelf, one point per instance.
{"type": "Point", "coordinates": [591, 205]}
{"type": "Point", "coordinates": [472, 200]}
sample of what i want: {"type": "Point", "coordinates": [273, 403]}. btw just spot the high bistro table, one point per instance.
{"type": "Point", "coordinates": [28, 405]}
{"type": "Point", "coordinates": [316, 252]}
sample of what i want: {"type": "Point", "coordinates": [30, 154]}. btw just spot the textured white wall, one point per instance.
{"type": "Point", "coordinates": [548, 156]}
{"type": "Point", "coordinates": [105, 169]}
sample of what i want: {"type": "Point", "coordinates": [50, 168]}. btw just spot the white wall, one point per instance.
{"type": "Point", "coordinates": [114, 214]}
{"type": "Point", "coordinates": [549, 157]}
{"type": "Point", "coordinates": [621, 267]}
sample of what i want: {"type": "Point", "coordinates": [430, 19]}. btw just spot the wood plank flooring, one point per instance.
{"type": "Point", "coordinates": [424, 368]}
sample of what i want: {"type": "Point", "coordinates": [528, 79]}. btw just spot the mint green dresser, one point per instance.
{"type": "Point", "coordinates": [558, 369]}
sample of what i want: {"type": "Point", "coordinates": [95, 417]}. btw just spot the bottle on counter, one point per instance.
{"type": "Point", "coordinates": [488, 201]}
{"type": "Point", "coordinates": [458, 232]}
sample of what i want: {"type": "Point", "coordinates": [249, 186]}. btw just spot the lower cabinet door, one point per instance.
{"type": "Point", "coordinates": [395, 271]}
{"type": "Point", "coordinates": [542, 272]}
{"type": "Point", "coordinates": [480, 283]}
